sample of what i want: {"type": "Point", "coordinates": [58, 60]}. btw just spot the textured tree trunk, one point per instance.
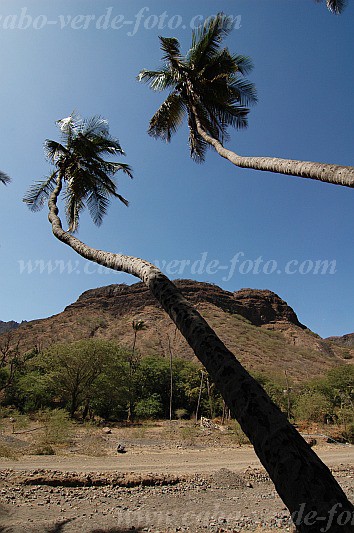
{"type": "Point", "coordinates": [304, 483]}
{"type": "Point", "coordinates": [336, 174]}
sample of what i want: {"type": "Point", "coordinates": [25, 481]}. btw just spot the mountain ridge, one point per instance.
{"type": "Point", "coordinates": [260, 328]}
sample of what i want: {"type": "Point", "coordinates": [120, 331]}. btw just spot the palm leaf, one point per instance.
{"type": "Point", "coordinates": [54, 150]}
{"type": "Point", "coordinates": [4, 178]}
{"type": "Point", "coordinates": [39, 192]}
{"type": "Point", "coordinates": [126, 169]}
{"type": "Point", "coordinates": [243, 91]}
{"type": "Point", "coordinates": [73, 208]}
{"type": "Point", "coordinates": [96, 126]}
{"type": "Point", "coordinates": [171, 48]}
{"type": "Point", "coordinates": [197, 145]}
{"type": "Point", "coordinates": [336, 6]}
{"type": "Point", "coordinates": [158, 80]}
{"type": "Point", "coordinates": [244, 64]}
{"type": "Point", "coordinates": [168, 117]}
{"type": "Point", "coordinates": [97, 203]}
{"type": "Point", "coordinates": [206, 40]}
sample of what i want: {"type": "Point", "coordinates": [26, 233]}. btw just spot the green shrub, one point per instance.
{"type": "Point", "coordinates": [44, 449]}
{"type": "Point", "coordinates": [57, 427]}
{"type": "Point", "coordinates": [349, 433]}
{"type": "Point", "coordinates": [312, 406]}
{"type": "Point", "coordinates": [181, 413]}
{"type": "Point", "coordinates": [149, 407]}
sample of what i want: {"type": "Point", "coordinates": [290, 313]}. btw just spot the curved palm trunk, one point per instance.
{"type": "Point", "coordinates": [336, 174]}
{"type": "Point", "coordinates": [303, 482]}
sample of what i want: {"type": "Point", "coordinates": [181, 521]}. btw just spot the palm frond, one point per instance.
{"type": "Point", "coordinates": [74, 204]}
{"type": "Point", "coordinates": [220, 65]}
{"type": "Point", "coordinates": [230, 115]}
{"type": "Point", "coordinates": [168, 117]}
{"type": "Point", "coordinates": [243, 91]}
{"type": "Point", "coordinates": [97, 203]}
{"type": "Point", "coordinates": [336, 6]}
{"type": "Point", "coordinates": [171, 48]}
{"type": "Point", "coordinates": [197, 145]}
{"type": "Point", "coordinates": [244, 63]}
{"type": "Point", "coordinates": [126, 169]}
{"type": "Point", "coordinates": [39, 192]}
{"type": "Point", "coordinates": [4, 178]}
{"type": "Point", "coordinates": [95, 126]}
{"type": "Point", "coordinates": [122, 199]}
{"type": "Point", "coordinates": [68, 127]}
{"type": "Point", "coordinates": [54, 150]}
{"type": "Point", "coordinates": [158, 80]}
{"type": "Point", "coordinates": [66, 124]}
{"type": "Point", "coordinates": [206, 39]}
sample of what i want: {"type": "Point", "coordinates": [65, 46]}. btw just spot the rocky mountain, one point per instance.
{"type": "Point", "coordinates": [345, 340]}
{"type": "Point", "coordinates": [8, 326]}
{"type": "Point", "coordinates": [260, 328]}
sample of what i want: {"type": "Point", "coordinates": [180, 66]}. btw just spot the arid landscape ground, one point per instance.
{"type": "Point", "coordinates": [173, 477]}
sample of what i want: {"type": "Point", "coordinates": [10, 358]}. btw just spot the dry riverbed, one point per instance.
{"type": "Point", "coordinates": [154, 487]}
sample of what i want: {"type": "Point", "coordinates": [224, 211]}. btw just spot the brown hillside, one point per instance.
{"type": "Point", "coordinates": [258, 326]}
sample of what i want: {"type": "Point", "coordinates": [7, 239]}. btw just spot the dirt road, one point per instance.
{"type": "Point", "coordinates": [172, 461]}
{"type": "Point", "coordinates": [222, 490]}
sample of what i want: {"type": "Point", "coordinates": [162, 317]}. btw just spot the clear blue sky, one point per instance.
{"type": "Point", "coordinates": [303, 59]}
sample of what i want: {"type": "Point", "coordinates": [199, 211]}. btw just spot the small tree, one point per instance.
{"type": "Point", "coordinates": [73, 370]}
{"type": "Point", "coordinates": [12, 361]}
{"type": "Point", "coordinates": [149, 407]}
{"type": "Point", "coordinates": [312, 406]}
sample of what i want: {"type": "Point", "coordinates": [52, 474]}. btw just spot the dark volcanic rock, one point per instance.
{"type": "Point", "coordinates": [257, 306]}
{"type": "Point", "coordinates": [264, 307]}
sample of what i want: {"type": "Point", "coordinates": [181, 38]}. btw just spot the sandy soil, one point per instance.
{"type": "Point", "coordinates": [149, 489]}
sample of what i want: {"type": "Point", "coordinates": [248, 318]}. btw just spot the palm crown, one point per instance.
{"type": "Point", "coordinates": [207, 83]}
{"type": "Point", "coordinates": [80, 167]}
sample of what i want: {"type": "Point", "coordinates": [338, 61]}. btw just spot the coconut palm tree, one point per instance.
{"type": "Point", "coordinates": [133, 360]}
{"type": "Point", "coordinates": [208, 85]}
{"type": "Point", "coordinates": [4, 178]}
{"type": "Point", "coordinates": [303, 482]}
{"type": "Point", "coordinates": [86, 176]}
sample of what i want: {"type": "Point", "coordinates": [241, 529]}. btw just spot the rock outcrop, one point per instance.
{"type": "Point", "coordinates": [8, 326]}
{"type": "Point", "coordinates": [345, 340]}
{"type": "Point", "coordinates": [260, 307]}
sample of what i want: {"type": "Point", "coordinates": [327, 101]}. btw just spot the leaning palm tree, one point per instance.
{"type": "Point", "coordinates": [303, 482]}
{"type": "Point", "coordinates": [4, 178]}
{"type": "Point", "coordinates": [208, 85]}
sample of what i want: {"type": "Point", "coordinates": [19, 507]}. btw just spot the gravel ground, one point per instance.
{"type": "Point", "coordinates": [220, 501]}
